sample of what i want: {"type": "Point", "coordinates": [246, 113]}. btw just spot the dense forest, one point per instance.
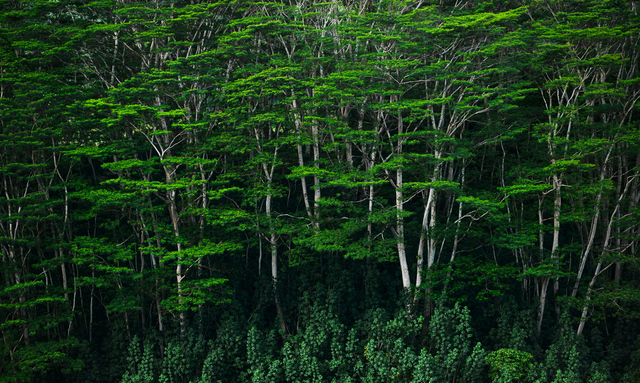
{"type": "Point", "coordinates": [320, 191]}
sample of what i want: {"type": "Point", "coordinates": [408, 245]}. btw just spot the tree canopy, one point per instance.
{"type": "Point", "coordinates": [302, 190]}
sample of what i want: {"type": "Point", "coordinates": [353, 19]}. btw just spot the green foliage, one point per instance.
{"type": "Point", "coordinates": [599, 372]}
{"type": "Point", "coordinates": [508, 364]}
{"type": "Point", "coordinates": [169, 163]}
{"type": "Point", "coordinates": [263, 364]}
{"type": "Point", "coordinates": [632, 370]}
{"type": "Point", "coordinates": [181, 361]}
{"type": "Point", "coordinates": [451, 335]}
{"type": "Point", "coordinates": [32, 362]}
{"type": "Point", "coordinates": [141, 363]}
{"type": "Point", "coordinates": [388, 355]}
{"type": "Point", "coordinates": [514, 328]}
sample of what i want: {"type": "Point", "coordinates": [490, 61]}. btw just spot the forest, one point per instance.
{"type": "Point", "coordinates": [320, 191]}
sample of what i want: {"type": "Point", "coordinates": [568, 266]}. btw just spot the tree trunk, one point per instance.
{"type": "Point", "coordinates": [402, 253]}
{"type": "Point", "coordinates": [557, 183]}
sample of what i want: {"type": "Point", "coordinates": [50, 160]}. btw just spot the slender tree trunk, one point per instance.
{"type": "Point", "coordinates": [427, 226]}
{"type": "Point", "coordinates": [154, 265]}
{"type": "Point", "coordinates": [274, 261]}
{"type": "Point", "coordinates": [594, 225]}
{"type": "Point", "coordinates": [268, 174]}
{"type": "Point", "coordinates": [402, 253]}
{"type": "Point", "coordinates": [557, 181]}
{"type": "Point", "coordinates": [175, 223]}
{"type": "Point", "coordinates": [605, 250]}
{"type": "Point", "coordinates": [315, 136]}
{"type": "Point", "coordinates": [93, 275]}
{"type": "Point", "coordinates": [303, 181]}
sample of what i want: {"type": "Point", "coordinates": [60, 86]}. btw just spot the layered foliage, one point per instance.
{"type": "Point", "coordinates": [349, 191]}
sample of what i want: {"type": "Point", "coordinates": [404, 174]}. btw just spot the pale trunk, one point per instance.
{"type": "Point", "coordinates": [370, 201]}
{"type": "Point", "coordinates": [268, 173]}
{"type": "Point", "coordinates": [370, 163]}
{"type": "Point", "coordinates": [592, 234]}
{"type": "Point", "coordinates": [554, 247]}
{"type": "Point", "coordinates": [154, 266]}
{"type": "Point", "coordinates": [431, 258]}
{"type": "Point", "coordinates": [404, 268]}
{"type": "Point", "coordinates": [456, 237]}
{"type": "Point", "coordinates": [402, 254]}
{"type": "Point", "coordinates": [585, 309]}
{"type": "Point", "coordinates": [423, 234]}
{"type": "Point", "coordinates": [298, 125]}
{"type": "Point", "coordinates": [173, 213]}
{"type": "Point", "coordinates": [153, 260]}
{"type": "Point", "coordinates": [605, 249]}
{"type": "Point", "coordinates": [274, 261]}
{"type": "Point", "coordinates": [316, 179]}
{"type": "Point", "coordinates": [428, 225]}
{"type": "Point", "coordinates": [458, 222]}
{"type": "Point", "coordinates": [557, 183]}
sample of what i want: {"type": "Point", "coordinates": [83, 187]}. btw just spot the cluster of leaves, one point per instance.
{"type": "Point", "coordinates": [163, 164]}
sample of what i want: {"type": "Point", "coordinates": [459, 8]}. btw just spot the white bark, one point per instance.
{"type": "Point", "coordinates": [402, 253]}
{"type": "Point", "coordinates": [557, 183]}
{"type": "Point", "coordinates": [303, 181]}
{"type": "Point", "coordinates": [316, 164]}
{"type": "Point", "coordinates": [605, 250]}
{"type": "Point", "coordinates": [594, 225]}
